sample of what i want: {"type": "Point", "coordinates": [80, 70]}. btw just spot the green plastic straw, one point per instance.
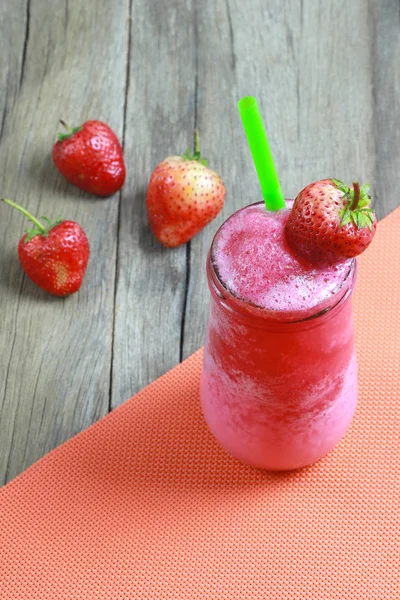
{"type": "Point", "coordinates": [262, 157]}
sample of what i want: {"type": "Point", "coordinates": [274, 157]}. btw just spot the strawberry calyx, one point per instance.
{"type": "Point", "coordinates": [70, 131]}
{"type": "Point", "coordinates": [357, 209]}
{"type": "Point", "coordinates": [196, 154]}
{"type": "Point", "coordinates": [39, 228]}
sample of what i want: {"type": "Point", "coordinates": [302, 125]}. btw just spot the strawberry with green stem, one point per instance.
{"type": "Point", "coordinates": [90, 157]}
{"type": "Point", "coordinates": [330, 221]}
{"type": "Point", "coordinates": [54, 255]}
{"type": "Point", "coordinates": [183, 196]}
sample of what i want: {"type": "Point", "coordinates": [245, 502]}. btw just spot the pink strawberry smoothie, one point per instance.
{"type": "Point", "coordinates": [279, 380]}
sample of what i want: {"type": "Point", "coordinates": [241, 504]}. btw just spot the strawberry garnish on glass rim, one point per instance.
{"type": "Point", "coordinates": [330, 221]}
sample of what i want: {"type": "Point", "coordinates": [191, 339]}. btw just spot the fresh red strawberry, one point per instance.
{"type": "Point", "coordinates": [90, 157]}
{"type": "Point", "coordinates": [330, 221]}
{"type": "Point", "coordinates": [54, 255]}
{"type": "Point", "coordinates": [183, 196]}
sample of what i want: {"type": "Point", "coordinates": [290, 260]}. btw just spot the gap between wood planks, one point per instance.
{"type": "Point", "coordinates": [188, 245]}
{"type": "Point", "coordinates": [127, 85]}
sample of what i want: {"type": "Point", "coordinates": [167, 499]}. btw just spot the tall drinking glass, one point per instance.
{"type": "Point", "coordinates": [279, 379]}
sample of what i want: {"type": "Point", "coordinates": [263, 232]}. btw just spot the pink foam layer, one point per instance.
{"type": "Point", "coordinates": [255, 263]}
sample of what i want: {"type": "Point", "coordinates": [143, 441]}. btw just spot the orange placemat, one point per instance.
{"type": "Point", "coordinates": [145, 505]}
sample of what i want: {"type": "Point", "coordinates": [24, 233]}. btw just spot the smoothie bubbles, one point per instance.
{"type": "Point", "coordinates": [279, 380]}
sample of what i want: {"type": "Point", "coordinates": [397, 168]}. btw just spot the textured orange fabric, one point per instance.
{"type": "Point", "coordinates": [146, 505]}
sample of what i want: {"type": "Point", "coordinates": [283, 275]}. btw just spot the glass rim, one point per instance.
{"type": "Point", "coordinates": [274, 316]}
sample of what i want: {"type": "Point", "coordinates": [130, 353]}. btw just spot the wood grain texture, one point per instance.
{"type": "Point", "coordinates": [222, 143]}
{"type": "Point", "coordinates": [56, 353]}
{"type": "Point", "coordinates": [159, 122]}
{"type": "Point", "coordinates": [384, 19]}
{"type": "Point", "coordinates": [329, 91]}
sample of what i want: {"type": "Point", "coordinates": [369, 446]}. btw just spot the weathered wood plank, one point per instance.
{"type": "Point", "coordinates": [384, 19]}
{"type": "Point", "coordinates": [221, 142]}
{"type": "Point", "coordinates": [317, 103]}
{"type": "Point", "coordinates": [56, 353]}
{"type": "Point", "coordinates": [159, 122]}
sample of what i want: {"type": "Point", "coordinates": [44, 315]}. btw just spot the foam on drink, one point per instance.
{"type": "Point", "coordinates": [254, 262]}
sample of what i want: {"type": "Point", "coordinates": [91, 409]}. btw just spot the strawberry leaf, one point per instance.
{"type": "Point", "coordinates": [347, 196]}
{"type": "Point", "coordinates": [361, 218]}
{"type": "Point", "coordinates": [31, 234]}
{"type": "Point", "coordinates": [341, 186]}
{"type": "Point", "coordinates": [365, 189]}
{"type": "Point", "coordinates": [369, 222]}
{"type": "Point", "coordinates": [356, 216]}
{"type": "Point", "coordinates": [363, 202]}
{"type": "Point", "coordinates": [364, 197]}
{"type": "Point", "coordinates": [345, 216]}
{"type": "Point", "coordinates": [368, 218]}
{"type": "Point", "coordinates": [49, 224]}
{"type": "Point", "coordinates": [357, 209]}
{"type": "Point", "coordinates": [70, 132]}
{"type": "Point", "coordinates": [39, 228]}
{"type": "Point", "coordinates": [196, 156]}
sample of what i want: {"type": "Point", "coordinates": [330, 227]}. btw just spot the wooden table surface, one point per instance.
{"type": "Point", "coordinates": [326, 74]}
